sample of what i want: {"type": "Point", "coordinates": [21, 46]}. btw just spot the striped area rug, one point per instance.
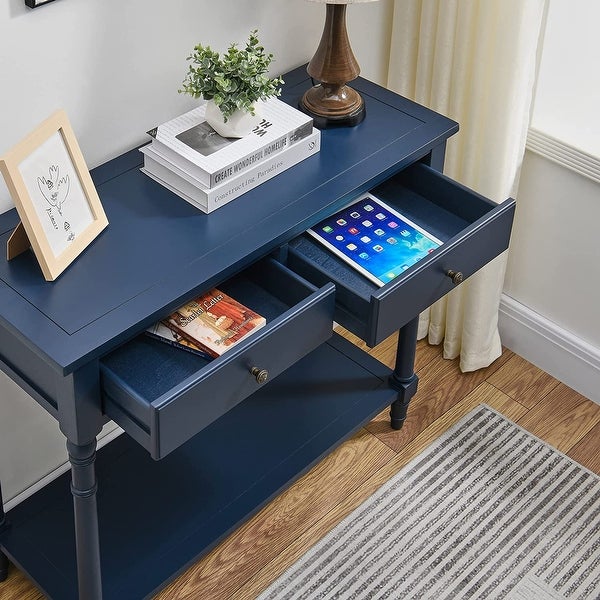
{"type": "Point", "coordinates": [487, 511]}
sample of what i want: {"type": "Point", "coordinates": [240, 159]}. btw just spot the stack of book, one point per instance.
{"type": "Point", "coordinates": [208, 325]}
{"type": "Point", "coordinates": [191, 159]}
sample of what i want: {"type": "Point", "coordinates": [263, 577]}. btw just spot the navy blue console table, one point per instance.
{"type": "Point", "coordinates": [208, 443]}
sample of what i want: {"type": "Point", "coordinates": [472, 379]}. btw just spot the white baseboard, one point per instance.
{"type": "Point", "coordinates": [548, 346]}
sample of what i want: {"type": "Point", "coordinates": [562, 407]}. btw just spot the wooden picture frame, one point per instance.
{"type": "Point", "coordinates": [55, 197]}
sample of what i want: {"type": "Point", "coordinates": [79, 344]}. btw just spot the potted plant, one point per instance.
{"type": "Point", "coordinates": [232, 84]}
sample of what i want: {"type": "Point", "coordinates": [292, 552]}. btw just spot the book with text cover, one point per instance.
{"type": "Point", "coordinates": [186, 186]}
{"type": "Point", "coordinates": [214, 322]}
{"type": "Point", "coordinates": [190, 141]}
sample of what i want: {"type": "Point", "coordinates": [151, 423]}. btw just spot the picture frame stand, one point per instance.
{"type": "Point", "coordinates": [18, 242]}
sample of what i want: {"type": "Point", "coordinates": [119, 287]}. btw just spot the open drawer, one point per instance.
{"type": "Point", "coordinates": [473, 230]}
{"type": "Point", "coordinates": [162, 395]}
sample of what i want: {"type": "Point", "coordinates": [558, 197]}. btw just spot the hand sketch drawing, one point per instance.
{"type": "Point", "coordinates": [55, 189]}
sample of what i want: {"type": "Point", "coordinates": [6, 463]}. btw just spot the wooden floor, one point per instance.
{"type": "Point", "coordinates": [258, 552]}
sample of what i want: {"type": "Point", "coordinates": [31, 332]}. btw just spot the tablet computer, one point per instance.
{"type": "Point", "coordinates": [375, 239]}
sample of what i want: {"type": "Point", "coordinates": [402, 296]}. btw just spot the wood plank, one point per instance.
{"type": "Point", "coordinates": [587, 451]}
{"type": "Point", "coordinates": [18, 587]}
{"type": "Point", "coordinates": [441, 386]}
{"type": "Point", "coordinates": [275, 527]}
{"type": "Point", "coordinates": [485, 393]}
{"type": "Point", "coordinates": [426, 353]}
{"type": "Point", "coordinates": [523, 381]}
{"type": "Point", "coordinates": [562, 418]}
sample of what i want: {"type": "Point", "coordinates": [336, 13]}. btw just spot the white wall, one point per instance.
{"type": "Point", "coordinates": [550, 310]}
{"type": "Point", "coordinates": [554, 258]}
{"type": "Point", "coordinates": [115, 67]}
{"type": "Point", "coordinates": [568, 90]}
{"type": "Point", "coordinates": [550, 314]}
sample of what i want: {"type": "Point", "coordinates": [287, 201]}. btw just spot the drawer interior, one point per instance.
{"type": "Point", "coordinates": [432, 201]}
{"type": "Point", "coordinates": [442, 204]}
{"type": "Point", "coordinates": [152, 368]}
{"type": "Point", "coordinates": [453, 213]}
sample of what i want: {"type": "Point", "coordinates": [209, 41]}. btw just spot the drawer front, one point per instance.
{"type": "Point", "coordinates": [473, 230]}
{"type": "Point", "coordinates": [161, 420]}
{"type": "Point", "coordinates": [466, 254]}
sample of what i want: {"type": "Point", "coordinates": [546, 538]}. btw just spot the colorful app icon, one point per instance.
{"type": "Point", "coordinates": [365, 239]}
{"type": "Point", "coordinates": [391, 275]}
{"type": "Point", "coordinates": [393, 224]}
{"type": "Point", "coordinates": [405, 233]}
{"type": "Point", "coordinates": [327, 229]}
{"type": "Point", "coordinates": [380, 216]}
{"type": "Point", "coordinates": [355, 215]}
{"type": "Point", "coordinates": [339, 238]}
{"type": "Point", "coordinates": [392, 240]}
{"type": "Point", "coordinates": [378, 248]}
{"type": "Point", "coordinates": [367, 223]}
{"type": "Point", "coordinates": [368, 207]}
{"type": "Point", "coordinates": [341, 222]}
{"type": "Point", "coordinates": [353, 230]}
{"type": "Point", "coordinates": [363, 255]}
{"type": "Point", "coordinates": [379, 232]}
{"type": "Point", "coordinates": [352, 246]}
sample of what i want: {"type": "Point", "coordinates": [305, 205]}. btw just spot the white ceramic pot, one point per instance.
{"type": "Point", "coordinates": [239, 124]}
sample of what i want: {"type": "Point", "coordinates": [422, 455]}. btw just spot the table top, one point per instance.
{"type": "Point", "coordinates": [158, 250]}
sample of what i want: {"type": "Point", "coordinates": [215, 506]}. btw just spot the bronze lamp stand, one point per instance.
{"type": "Point", "coordinates": [331, 102]}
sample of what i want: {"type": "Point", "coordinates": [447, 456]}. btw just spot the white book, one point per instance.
{"type": "Point", "coordinates": [191, 141]}
{"type": "Point", "coordinates": [209, 199]}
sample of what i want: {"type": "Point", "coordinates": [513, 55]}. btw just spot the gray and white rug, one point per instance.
{"type": "Point", "coordinates": [487, 511]}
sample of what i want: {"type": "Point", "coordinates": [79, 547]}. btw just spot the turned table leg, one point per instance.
{"type": "Point", "coordinates": [403, 379]}
{"type": "Point", "coordinates": [87, 543]}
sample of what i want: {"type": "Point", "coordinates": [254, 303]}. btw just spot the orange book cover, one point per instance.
{"type": "Point", "coordinates": [215, 322]}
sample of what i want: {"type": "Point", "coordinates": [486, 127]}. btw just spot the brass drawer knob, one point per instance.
{"type": "Point", "coordinates": [261, 375]}
{"type": "Point", "coordinates": [456, 276]}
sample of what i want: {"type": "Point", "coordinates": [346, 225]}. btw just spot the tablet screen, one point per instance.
{"type": "Point", "coordinates": [375, 239]}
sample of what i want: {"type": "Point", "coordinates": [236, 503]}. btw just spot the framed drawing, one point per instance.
{"type": "Point", "coordinates": [54, 195]}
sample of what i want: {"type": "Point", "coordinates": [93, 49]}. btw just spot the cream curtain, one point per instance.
{"type": "Point", "coordinates": [474, 61]}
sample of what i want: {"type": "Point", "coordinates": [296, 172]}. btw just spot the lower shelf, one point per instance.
{"type": "Point", "coordinates": [156, 518]}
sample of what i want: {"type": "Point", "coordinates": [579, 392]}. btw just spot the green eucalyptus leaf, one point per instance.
{"type": "Point", "coordinates": [234, 80]}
